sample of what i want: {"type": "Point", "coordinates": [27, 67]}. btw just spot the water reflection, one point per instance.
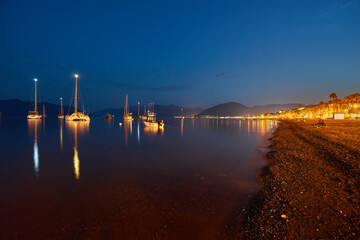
{"type": "Point", "coordinates": [61, 133]}
{"type": "Point", "coordinates": [249, 127]}
{"type": "Point", "coordinates": [77, 127]}
{"type": "Point", "coordinates": [138, 131]}
{"type": "Point", "coordinates": [127, 129]}
{"type": "Point", "coordinates": [33, 125]}
{"type": "Point", "coordinates": [182, 126]}
{"type": "Point", "coordinates": [153, 131]}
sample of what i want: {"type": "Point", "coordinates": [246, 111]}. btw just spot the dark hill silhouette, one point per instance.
{"type": "Point", "coordinates": [237, 109]}
{"type": "Point", "coordinates": [16, 107]}
{"type": "Point", "coordinates": [226, 109]}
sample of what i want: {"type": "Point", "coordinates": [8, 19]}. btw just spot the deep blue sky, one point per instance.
{"type": "Point", "coordinates": [189, 53]}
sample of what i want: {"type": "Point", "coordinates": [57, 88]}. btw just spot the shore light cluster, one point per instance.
{"type": "Point", "coordinates": [347, 106]}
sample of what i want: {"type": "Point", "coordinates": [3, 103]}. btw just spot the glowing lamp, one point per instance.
{"type": "Point", "coordinates": [76, 75]}
{"type": "Point", "coordinates": [35, 79]}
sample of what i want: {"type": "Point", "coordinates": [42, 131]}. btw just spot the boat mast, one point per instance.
{"type": "Point", "coordinates": [76, 77]}
{"type": "Point", "coordinates": [35, 79]}
{"type": "Point", "coordinates": [61, 107]}
{"type": "Point", "coordinates": [126, 105]}
{"type": "Point", "coordinates": [138, 108]}
{"type": "Point", "coordinates": [144, 109]}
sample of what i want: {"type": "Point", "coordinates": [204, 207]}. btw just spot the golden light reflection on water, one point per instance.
{"type": "Point", "coordinates": [127, 129]}
{"type": "Point", "coordinates": [81, 128]}
{"type": "Point", "coordinates": [76, 163]}
{"type": "Point", "coordinates": [249, 126]}
{"type": "Point", "coordinates": [182, 126]}
{"type": "Point", "coordinates": [61, 134]}
{"type": "Point", "coordinates": [33, 125]}
{"type": "Point", "coordinates": [153, 131]}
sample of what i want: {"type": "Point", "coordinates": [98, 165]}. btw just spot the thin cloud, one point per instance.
{"type": "Point", "coordinates": [221, 74]}
{"type": "Point", "coordinates": [170, 88]}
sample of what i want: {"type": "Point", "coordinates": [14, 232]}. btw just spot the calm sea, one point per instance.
{"type": "Point", "coordinates": [100, 180]}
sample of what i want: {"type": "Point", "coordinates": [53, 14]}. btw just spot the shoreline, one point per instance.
{"type": "Point", "coordinates": [310, 187]}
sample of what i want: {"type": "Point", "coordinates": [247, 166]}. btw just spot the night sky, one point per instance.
{"type": "Point", "coordinates": [189, 53]}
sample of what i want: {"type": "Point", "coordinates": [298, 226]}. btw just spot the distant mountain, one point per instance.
{"type": "Point", "coordinates": [226, 109]}
{"type": "Point", "coordinates": [16, 107]}
{"type": "Point", "coordinates": [161, 111]}
{"type": "Point", "coordinates": [237, 109]}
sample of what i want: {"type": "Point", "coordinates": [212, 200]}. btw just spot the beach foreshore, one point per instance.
{"type": "Point", "coordinates": [310, 186]}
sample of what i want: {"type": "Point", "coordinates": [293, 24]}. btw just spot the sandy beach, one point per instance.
{"type": "Point", "coordinates": [311, 185]}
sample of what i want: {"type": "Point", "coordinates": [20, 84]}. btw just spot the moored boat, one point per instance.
{"type": "Point", "coordinates": [61, 115]}
{"type": "Point", "coordinates": [127, 114]}
{"type": "Point", "coordinates": [77, 116]}
{"type": "Point", "coordinates": [151, 118]}
{"type": "Point", "coordinates": [34, 114]}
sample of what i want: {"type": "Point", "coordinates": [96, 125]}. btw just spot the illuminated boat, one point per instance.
{"type": "Point", "coordinates": [34, 114]}
{"type": "Point", "coordinates": [127, 114]}
{"type": "Point", "coordinates": [61, 115]}
{"type": "Point", "coordinates": [77, 116]}
{"type": "Point", "coordinates": [108, 116]}
{"type": "Point", "coordinates": [151, 122]}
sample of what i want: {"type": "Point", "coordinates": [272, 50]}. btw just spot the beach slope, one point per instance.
{"type": "Point", "coordinates": [311, 185]}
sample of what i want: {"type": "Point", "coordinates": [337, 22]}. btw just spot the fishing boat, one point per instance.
{"type": "Point", "coordinates": [77, 116]}
{"type": "Point", "coordinates": [61, 115]}
{"type": "Point", "coordinates": [127, 114]}
{"type": "Point", "coordinates": [151, 118]}
{"type": "Point", "coordinates": [34, 114]}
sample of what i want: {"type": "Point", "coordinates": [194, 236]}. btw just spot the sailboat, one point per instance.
{"type": "Point", "coordinates": [61, 115]}
{"type": "Point", "coordinates": [34, 114]}
{"type": "Point", "coordinates": [127, 114]}
{"type": "Point", "coordinates": [44, 115]}
{"type": "Point", "coordinates": [77, 116]}
{"type": "Point", "coordinates": [138, 115]}
{"type": "Point", "coordinates": [144, 116]}
{"type": "Point", "coordinates": [151, 118]}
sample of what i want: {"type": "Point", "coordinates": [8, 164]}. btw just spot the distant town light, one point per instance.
{"type": "Point", "coordinates": [35, 79]}
{"type": "Point", "coordinates": [76, 75]}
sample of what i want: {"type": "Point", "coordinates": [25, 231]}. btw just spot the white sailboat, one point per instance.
{"type": "Point", "coordinates": [34, 114]}
{"type": "Point", "coordinates": [151, 118]}
{"type": "Point", "coordinates": [61, 115]}
{"type": "Point", "coordinates": [127, 114]}
{"type": "Point", "coordinates": [77, 116]}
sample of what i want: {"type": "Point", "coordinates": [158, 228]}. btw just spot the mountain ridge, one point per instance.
{"type": "Point", "coordinates": [238, 109]}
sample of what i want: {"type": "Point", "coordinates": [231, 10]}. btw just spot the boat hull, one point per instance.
{"type": "Point", "coordinates": [34, 116]}
{"type": "Point", "coordinates": [77, 117]}
{"type": "Point", "coordinates": [153, 124]}
{"type": "Point", "coordinates": [128, 118]}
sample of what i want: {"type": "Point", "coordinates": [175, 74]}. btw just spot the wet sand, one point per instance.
{"type": "Point", "coordinates": [311, 185]}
